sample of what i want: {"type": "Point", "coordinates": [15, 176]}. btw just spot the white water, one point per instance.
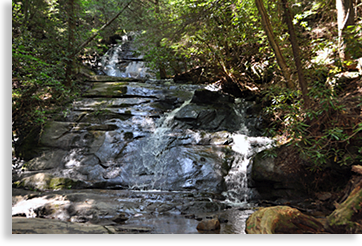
{"type": "Point", "coordinates": [152, 151]}
{"type": "Point", "coordinates": [246, 146]}
{"type": "Point", "coordinates": [136, 69]}
{"type": "Point", "coordinates": [117, 62]}
{"type": "Point", "coordinates": [238, 193]}
{"type": "Point", "coordinates": [110, 61]}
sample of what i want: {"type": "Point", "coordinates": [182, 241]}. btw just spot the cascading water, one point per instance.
{"type": "Point", "coordinates": [110, 62]}
{"type": "Point", "coordinates": [238, 193]}
{"type": "Point", "coordinates": [246, 144]}
{"type": "Point", "coordinates": [152, 152]}
{"type": "Point", "coordinates": [121, 61]}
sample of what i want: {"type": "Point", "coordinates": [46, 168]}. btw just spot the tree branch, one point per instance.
{"type": "Point", "coordinates": [102, 28]}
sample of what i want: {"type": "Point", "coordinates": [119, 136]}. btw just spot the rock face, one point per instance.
{"type": "Point", "coordinates": [136, 135]}
{"type": "Point", "coordinates": [278, 177]}
{"type": "Point", "coordinates": [282, 220]}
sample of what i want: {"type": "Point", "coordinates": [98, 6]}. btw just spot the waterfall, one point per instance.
{"type": "Point", "coordinates": [238, 193]}
{"type": "Point", "coordinates": [152, 152]}
{"type": "Point", "coordinates": [110, 62]}
{"type": "Point", "coordinates": [136, 69]}
{"type": "Point", "coordinates": [122, 60]}
{"type": "Point", "coordinates": [245, 147]}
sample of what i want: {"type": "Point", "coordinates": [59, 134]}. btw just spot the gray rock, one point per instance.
{"type": "Point", "coordinates": [45, 226]}
{"type": "Point", "coordinates": [273, 178]}
{"type": "Point", "coordinates": [133, 135]}
{"type": "Point", "coordinates": [48, 160]}
{"type": "Point", "coordinates": [204, 96]}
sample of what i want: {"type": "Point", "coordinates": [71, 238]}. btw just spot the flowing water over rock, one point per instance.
{"type": "Point", "coordinates": [164, 154]}
{"type": "Point", "coordinates": [122, 60]}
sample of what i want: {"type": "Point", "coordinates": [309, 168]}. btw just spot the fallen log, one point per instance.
{"type": "Point", "coordinates": [347, 217]}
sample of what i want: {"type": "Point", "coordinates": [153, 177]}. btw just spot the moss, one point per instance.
{"type": "Point", "coordinates": [116, 89]}
{"type": "Point", "coordinates": [57, 183]}
{"type": "Point", "coordinates": [341, 219]}
{"type": "Point", "coordinates": [45, 181]}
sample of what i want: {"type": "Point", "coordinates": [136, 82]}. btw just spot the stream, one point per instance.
{"type": "Point", "coordinates": [164, 155]}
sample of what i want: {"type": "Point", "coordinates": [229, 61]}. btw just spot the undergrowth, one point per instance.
{"type": "Point", "coordinates": [329, 133]}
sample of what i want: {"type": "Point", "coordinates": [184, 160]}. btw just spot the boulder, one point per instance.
{"type": "Point", "coordinates": [283, 176]}
{"type": "Point", "coordinates": [209, 117]}
{"type": "Point", "coordinates": [282, 220]}
{"type": "Point", "coordinates": [208, 225]}
{"type": "Point", "coordinates": [204, 96]}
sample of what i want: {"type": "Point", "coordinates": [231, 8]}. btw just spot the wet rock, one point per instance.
{"type": "Point", "coordinates": [120, 218]}
{"type": "Point", "coordinates": [278, 177]}
{"type": "Point", "coordinates": [204, 96]}
{"type": "Point", "coordinates": [124, 134]}
{"type": "Point", "coordinates": [210, 118]}
{"type": "Point", "coordinates": [45, 226]}
{"type": "Point", "coordinates": [282, 220]}
{"type": "Point", "coordinates": [111, 207]}
{"type": "Point", "coordinates": [209, 225]}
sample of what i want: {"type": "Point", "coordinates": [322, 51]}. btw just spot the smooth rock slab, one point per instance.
{"type": "Point", "coordinates": [45, 226]}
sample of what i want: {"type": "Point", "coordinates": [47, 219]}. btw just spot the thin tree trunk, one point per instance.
{"type": "Point", "coordinates": [269, 32]}
{"type": "Point", "coordinates": [295, 48]}
{"type": "Point", "coordinates": [70, 57]}
{"type": "Point", "coordinates": [345, 18]}
{"type": "Point", "coordinates": [161, 66]}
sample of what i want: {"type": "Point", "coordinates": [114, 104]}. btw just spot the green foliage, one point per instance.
{"type": "Point", "coordinates": [225, 36]}
{"type": "Point", "coordinates": [41, 50]}
{"type": "Point", "coordinates": [353, 39]}
{"type": "Point", "coordinates": [324, 134]}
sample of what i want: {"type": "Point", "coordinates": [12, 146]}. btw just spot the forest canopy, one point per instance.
{"type": "Point", "coordinates": [302, 59]}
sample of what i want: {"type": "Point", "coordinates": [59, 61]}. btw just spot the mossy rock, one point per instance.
{"type": "Point", "coordinates": [46, 181]}
{"type": "Point", "coordinates": [107, 89]}
{"type": "Point", "coordinates": [282, 220]}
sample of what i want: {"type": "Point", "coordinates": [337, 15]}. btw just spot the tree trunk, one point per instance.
{"type": "Point", "coordinates": [70, 57]}
{"type": "Point", "coordinates": [161, 66]}
{"type": "Point", "coordinates": [345, 18]}
{"type": "Point", "coordinates": [295, 48]}
{"type": "Point", "coordinates": [269, 32]}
